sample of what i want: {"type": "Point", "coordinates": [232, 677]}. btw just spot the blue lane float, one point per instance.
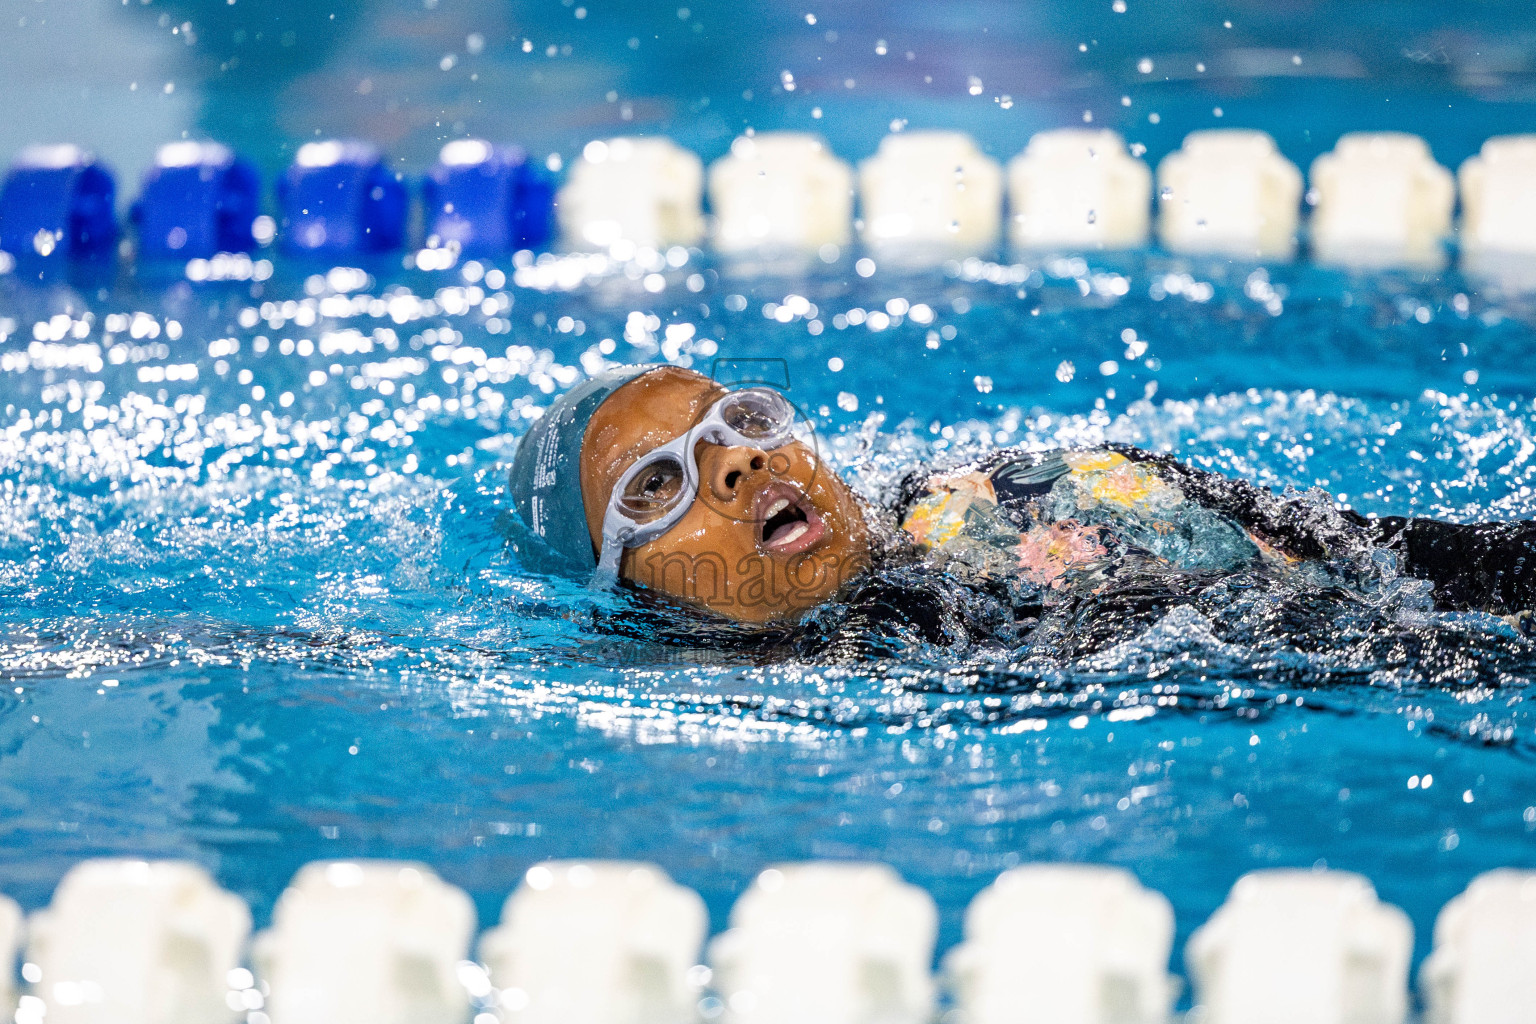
{"type": "Point", "coordinates": [57, 200]}
{"type": "Point", "coordinates": [338, 198]}
{"type": "Point", "coordinates": [487, 199]}
{"type": "Point", "coordinates": [197, 200]}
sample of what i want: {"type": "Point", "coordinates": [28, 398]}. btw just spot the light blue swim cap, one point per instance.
{"type": "Point", "coordinates": [546, 471]}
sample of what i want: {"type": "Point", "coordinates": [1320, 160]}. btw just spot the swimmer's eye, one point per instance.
{"type": "Point", "coordinates": [654, 490]}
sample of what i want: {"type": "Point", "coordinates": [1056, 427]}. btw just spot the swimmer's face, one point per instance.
{"type": "Point", "coordinates": [770, 534]}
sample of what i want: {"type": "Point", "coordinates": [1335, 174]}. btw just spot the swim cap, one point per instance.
{"type": "Point", "coordinates": [546, 471]}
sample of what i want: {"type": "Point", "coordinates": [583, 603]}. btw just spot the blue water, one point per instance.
{"type": "Point", "coordinates": [255, 608]}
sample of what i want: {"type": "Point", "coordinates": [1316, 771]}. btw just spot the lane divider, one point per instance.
{"type": "Point", "coordinates": [1381, 198]}
{"type": "Point", "coordinates": [839, 943]}
{"type": "Point", "coordinates": [1229, 192]}
{"type": "Point", "coordinates": [928, 195]}
{"type": "Point", "coordinates": [1078, 188]}
{"type": "Point", "coordinates": [592, 942]}
{"type": "Point", "coordinates": [1498, 199]}
{"type": "Point", "coordinates": [1088, 944]}
{"type": "Point", "coordinates": [780, 191]}
{"type": "Point", "coordinates": [1378, 200]}
{"type": "Point", "coordinates": [636, 192]}
{"type": "Point", "coordinates": [1315, 946]}
{"type": "Point", "coordinates": [134, 942]}
{"type": "Point", "coordinates": [366, 942]}
{"type": "Point", "coordinates": [1480, 971]}
{"type": "Point", "coordinates": [618, 942]}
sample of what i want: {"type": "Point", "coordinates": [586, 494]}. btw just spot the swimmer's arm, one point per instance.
{"type": "Point", "coordinates": [1473, 566]}
{"type": "Point", "coordinates": [1295, 526]}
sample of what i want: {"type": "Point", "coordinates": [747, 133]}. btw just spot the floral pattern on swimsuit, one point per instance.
{"type": "Point", "coordinates": [1047, 522]}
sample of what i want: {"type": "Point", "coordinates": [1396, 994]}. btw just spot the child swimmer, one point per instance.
{"type": "Point", "coordinates": [665, 479]}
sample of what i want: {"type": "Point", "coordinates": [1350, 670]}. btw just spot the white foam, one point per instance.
{"type": "Point", "coordinates": [597, 942]}
{"type": "Point", "coordinates": [1313, 946]}
{"type": "Point", "coordinates": [834, 943]}
{"type": "Point", "coordinates": [366, 942]}
{"type": "Point", "coordinates": [780, 191]}
{"type": "Point", "coordinates": [137, 942]}
{"type": "Point", "coordinates": [1078, 188]}
{"type": "Point", "coordinates": [646, 192]}
{"type": "Point", "coordinates": [1485, 946]}
{"type": "Point", "coordinates": [1064, 944]}
{"type": "Point", "coordinates": [1498, 197]}
{"type": "Point", "coordinates": [1229, 192]}
{"type": "Point", "coordinates": [928, 195]}
{"type": "Point", "coordinates": [1381, 200]}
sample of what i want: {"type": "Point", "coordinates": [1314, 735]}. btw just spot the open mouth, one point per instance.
{"type": "Point", "coordinates": [789, 524]}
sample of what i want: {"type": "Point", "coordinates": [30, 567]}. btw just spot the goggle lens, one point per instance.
{"type": "Point", "coordinates": [757, 414]}
{"type": "Point", "coordinates": [653, 491]}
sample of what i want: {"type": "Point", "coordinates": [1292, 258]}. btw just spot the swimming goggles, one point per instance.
{"type": "Point", "coordinates": [659, 489]}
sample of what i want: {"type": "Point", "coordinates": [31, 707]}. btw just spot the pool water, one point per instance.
{"type": "Point", "coordinates": [256, 604]}
{"type": "Point", "coordinates": [256, 624]}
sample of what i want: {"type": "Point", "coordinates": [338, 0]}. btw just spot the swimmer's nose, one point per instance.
{"type": "Point", "coordinates": [729, 467]}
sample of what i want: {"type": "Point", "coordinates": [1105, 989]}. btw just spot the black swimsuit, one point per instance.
{"type": "Point", "coordinates": [1067, 553]}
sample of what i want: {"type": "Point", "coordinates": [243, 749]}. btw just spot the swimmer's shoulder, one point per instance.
{"type": "Point", "coordinates": [1008, 474]}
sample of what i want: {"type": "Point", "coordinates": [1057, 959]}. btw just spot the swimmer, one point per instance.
{"type": "Point", "coordinates": [662, 480]}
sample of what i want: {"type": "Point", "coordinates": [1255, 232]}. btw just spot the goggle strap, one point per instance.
{"type": "Point", "coordinates": [607, 572]}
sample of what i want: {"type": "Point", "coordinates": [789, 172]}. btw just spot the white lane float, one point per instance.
{"type": "Point", "coordinates": [1064, 944]}
{"type": "Point", "coordinates": [1485, 946]}
{"type": "Point", "coordinates": [597, 942]}
{"type": "Point", "coordinates": [646, 192]}
{"type": "Point", "coordinates": [1078, 188]}
{"type": "Point", "coordinates": [137, 942]}
{"type": "Point", "coordinates": [367, 942]}
{"type": "Point", "coordinates": [1381, 200]}
{"type": "Point", "coordinates": [1229, 192]}
{"type": "Point", "coordinates": [1314, 946]}
{"type": "Point", "coordinates": [928, 195]}
{"type": "Point", "coordinates": [830, 942]}
{"type": "Point", "coordinates": [1498, 207]}
{"type": "Point", "coordinates": [10, 942]}
{"type": "Point", "coordinates": [781, 192]}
